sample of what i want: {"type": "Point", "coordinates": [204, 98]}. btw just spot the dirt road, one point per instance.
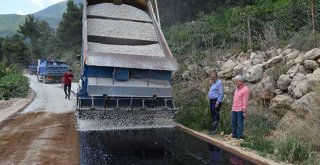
{"type": "Point", "coordinates": [43, 133]}
{"type": "Point", "coordinates": [50, 98]}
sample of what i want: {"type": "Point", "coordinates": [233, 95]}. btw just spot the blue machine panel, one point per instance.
{"type": "Point", "coordinates": [96, 71]}
{"type": "Point", "coordinates": [122, 74]}
{"type": "Point", "coordinates": [151, 74]}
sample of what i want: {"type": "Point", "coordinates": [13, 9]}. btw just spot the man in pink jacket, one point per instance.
{"type": "Point", "coordinates": [239, 106]}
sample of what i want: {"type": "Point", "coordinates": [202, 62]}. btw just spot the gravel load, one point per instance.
{"type": "Point", "coordinates": [122, 29]}
{"type": "Point", "coordinates": [118, 11]}
{"type": "Point", "coordinates": [144, 50]}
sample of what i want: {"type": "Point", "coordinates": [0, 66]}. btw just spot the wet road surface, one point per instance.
{"type": "Point", "coordinates": [150, 146]}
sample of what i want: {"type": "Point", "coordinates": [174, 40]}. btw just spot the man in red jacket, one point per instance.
{"type": "Point", "coordinates": [67, 80]}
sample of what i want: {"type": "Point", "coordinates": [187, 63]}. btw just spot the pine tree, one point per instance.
{"type": "Point", "coordinates": [69, 32]}
{"type": "Point", "coordinates": [40, 33]}
{"type": "Point", "coordinates": [15, 51]}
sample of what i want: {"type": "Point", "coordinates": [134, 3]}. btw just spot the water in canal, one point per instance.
{"type": "Point", "coordinates": [151, 147]}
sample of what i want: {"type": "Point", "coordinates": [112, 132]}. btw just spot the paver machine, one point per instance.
{"type": "Point", "coordinates": [126, 67]}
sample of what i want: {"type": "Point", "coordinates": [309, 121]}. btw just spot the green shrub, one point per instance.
{"type": "Point", "coordinates": [293, 150]}
{"type": "Point", "coordinates": [255, 132]}
{"type": "Point", "coordinates": [277, 71]}
{"type": "Point", "coordinates": [272, 23]}
{"type": "Point", "coordinates": [13, 86]}
{"type": "Point", "coordinates": [261, 144]}
{"type": "Point", "coordinates": [193, 109]}
{"type": "Point", "coordinates": [305, 39]}
{"type": "Point", "coordinates": [225, 118]}
{"type": "Point", "coordinates": [313, 158]}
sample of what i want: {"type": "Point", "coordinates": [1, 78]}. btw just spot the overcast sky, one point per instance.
{"type": "Point", "coordinates": [24, 7]}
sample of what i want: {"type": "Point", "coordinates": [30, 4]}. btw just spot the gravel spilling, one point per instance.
{"type": "Point", "coordinates": [118, 11]}
{"type": "Point", "coordinates": [121, 29]}
{"type": "Point", "coordinates": [115, 120]}
{"type": "Point", "coordinates": [145, 50]}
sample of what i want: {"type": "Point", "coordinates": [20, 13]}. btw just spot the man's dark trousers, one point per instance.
{"type": "Point", "coordinates": [215, 114]}
{"type": "Point", "coordinates": [65, 90]}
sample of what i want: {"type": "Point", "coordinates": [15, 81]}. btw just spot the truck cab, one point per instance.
{"type": "Point", "coordinates": [32, 69]}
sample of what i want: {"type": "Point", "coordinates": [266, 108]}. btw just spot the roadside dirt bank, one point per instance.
{"type": "Point", "coordinates": [11, 106]}
{"type": "Point", "coordinates": [39, 138]}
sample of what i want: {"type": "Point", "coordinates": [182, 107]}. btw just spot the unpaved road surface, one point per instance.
{"type": "Point", "coordinates": [50, 98]}
{"type": "Point", "coordinates": [44, 133]}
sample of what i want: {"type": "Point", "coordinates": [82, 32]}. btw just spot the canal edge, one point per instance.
{"type": "Point", "coordinates": [249, 156]}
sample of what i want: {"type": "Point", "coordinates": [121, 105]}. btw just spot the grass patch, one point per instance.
{"type": "Point", "coordinates": [256, 130]}
{"type": "Point", "coordinates": [261, 144]}
{"type": "Point", "coordinates": [194, 111]}
{"type": "Point", "coordinates": [292, 149]}
{"type": "Point", "coordinates": [225, 118]}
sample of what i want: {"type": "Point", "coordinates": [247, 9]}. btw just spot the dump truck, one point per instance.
{"type": "Point", "coordinates": [51, 70]}
{"type": "Point", "coordinates": [32, 69]}
{"type": "Point", "coordinates": [126, 65]}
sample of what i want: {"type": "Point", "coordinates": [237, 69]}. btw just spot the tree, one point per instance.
{"type": "Point", "coordinates": [15, 51]}
{"type": "Point", "coordinates": [1, 54]}
{"type": "Point", "coordinates": [30, 28]}
{"type": "Point", "coordinates": [180, 11]}
{"type": "Point", "coordinates": [69, 32]}
{"type": "Point", "coordinates": [40, 34]}
{"type": "Point", "coordinates": [44, 41]}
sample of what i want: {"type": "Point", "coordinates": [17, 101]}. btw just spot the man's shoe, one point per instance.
{"type": "Point", "coordinates": [66, 97]}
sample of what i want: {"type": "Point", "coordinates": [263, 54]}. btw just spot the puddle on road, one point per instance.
{"type": "Point", "coordinates": [151, 146]}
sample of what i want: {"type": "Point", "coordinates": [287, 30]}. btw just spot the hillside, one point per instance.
{"type": "Point", "coordinates": [9, 23]}
{"type": "Point", "coordinates": [53, 14]}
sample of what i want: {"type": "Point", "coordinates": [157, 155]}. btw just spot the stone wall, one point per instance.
{"type": "Point", "coordinates": [288, 80]}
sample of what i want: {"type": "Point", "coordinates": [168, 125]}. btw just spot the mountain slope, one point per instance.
{"type": "Point", "coordinates": [9, 23]}
{"type": "Point", "coordinates": [52, 14]}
